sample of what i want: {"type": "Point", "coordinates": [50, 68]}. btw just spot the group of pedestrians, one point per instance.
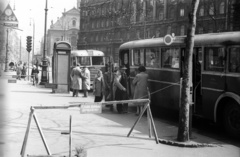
{"type": "Point", "coordinates": [120, 91]}
{"type": "Point", "coordinates": [21, 71]}
{"type": "Point", "coordinates": [80, 80]}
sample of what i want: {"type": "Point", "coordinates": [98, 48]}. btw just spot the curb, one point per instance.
{"type": "Point", "coordinates": [185, 144]}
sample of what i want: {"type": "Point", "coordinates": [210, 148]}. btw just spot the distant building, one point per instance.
{"type": "Point", "coordinates": [64, 29]}
{"type": "Point", "coordinates": [10, 36]}
{"type": "Point", "coordinates": [106, 24]}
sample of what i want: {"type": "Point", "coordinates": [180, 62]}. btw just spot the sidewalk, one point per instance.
{"type": "Point", "coordinates": [102, 135]}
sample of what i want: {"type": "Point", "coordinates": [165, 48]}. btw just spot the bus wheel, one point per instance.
{"type": "Point", "coordinates": [232, 119]}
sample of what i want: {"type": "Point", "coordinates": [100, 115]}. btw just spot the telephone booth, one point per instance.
{"type": "Point", "coordinates": [61, 66]}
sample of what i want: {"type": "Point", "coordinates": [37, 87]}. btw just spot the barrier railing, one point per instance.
{"type": "Point", "coordinates": [96, 109]}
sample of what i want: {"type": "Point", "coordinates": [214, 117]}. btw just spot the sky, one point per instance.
{"type": "Point", "coordinates": [29, 11]}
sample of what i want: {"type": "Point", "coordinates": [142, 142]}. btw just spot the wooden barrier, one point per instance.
{"type": "Point", "coordinates": [80, 104]}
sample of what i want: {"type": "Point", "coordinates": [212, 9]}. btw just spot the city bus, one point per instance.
{"type": "Point", "coordinates": [93, 59]}
{"type": "Point", "coordinates": [215, 75]}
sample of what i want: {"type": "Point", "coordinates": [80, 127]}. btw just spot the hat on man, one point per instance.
{"type": "Point", "coordinates": [122, 67]}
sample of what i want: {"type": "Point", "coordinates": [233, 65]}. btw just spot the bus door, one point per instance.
{"type": "Point", "coordinates": [213, 78]}
{"type": "Point", "coordinates": [197, 79]}
{"type": "Point", "coordinates": [124, 56]}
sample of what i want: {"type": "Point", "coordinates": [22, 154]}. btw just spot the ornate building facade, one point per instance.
{"type": "Point", "coordinates": [64, 29]}
{"type": "Point", "coordinates": [106, 24]}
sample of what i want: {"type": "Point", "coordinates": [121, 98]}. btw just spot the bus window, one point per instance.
{"type": "Point", "coordinates": [98, 60]}
{"type": "Point", "coordinates": [152, 58]}
{"type": "Point", "coordinates": [170, 58]}
{"type": "Point", "coordinates": [234, 60]}
{"type": "Point", "coordinates": [138, 57]}
{"type": "Point", "coordinates": [84, 61]}
{"type": "Point", "coordinates": [214, 59]}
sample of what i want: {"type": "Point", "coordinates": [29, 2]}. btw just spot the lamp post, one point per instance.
{"type": "Point", "coordinates": [6, 59]}
{"type": "Point", "coordinates": [44, 61]}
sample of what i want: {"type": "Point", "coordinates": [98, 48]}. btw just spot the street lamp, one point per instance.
{"type": "Point", "coordinates": [6, 59]}
{"type": "Point", "coordinates": [44, 61]}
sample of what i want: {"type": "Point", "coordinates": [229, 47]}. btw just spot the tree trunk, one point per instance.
{"type": "Point", "coordinates": [186, 99]}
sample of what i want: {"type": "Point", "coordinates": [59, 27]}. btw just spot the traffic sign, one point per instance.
{"type": "Point", "coordinates": [11, 24]}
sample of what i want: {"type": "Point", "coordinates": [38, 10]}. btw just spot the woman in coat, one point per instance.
{"type": "Point", "coordinates": [98, 87]}
{"type": "Point", "coordinates": [140, 83]}
{"type": "Point", "coordinates": [76, 79]}
{"type": "Point", "coordinates": [85, 81]}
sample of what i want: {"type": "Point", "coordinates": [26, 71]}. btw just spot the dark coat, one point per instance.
{"type": "Point", "coordinates": [98, 86]}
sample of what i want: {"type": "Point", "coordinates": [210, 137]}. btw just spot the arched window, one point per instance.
{"type": "Point", "coordinates": [222, 8]}
{"type": "Point", "coordinates": [211, 9]}
{"type": "Point", "coordinates": [182, 30]}
{"type": "Point", "coordinates": [74, 23]}
{"type": "Point", "coordinates": [201, 11]}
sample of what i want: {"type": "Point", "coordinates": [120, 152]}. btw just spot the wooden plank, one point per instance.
{"type": "Point", "coordinates": [42, 136]}
{"type": "Point", "coordinates": [70, 136]}
{"type": "Point", "coordinates": [51, 85]}
{"type": "Point", "coordinates": [154, 128]}
{"type": "Point", "coordinates": [26, 134]}
{"type": "Point", "coordinates": [12, 81]}
{"type": "Point", "coordinates": [139, 117]}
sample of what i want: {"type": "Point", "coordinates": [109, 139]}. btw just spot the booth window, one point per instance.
{"type": "Point", "coordinates": [214, 59]}
{"type": "Point", "coordinates": [234, 60]}
{"type": "Point", "coordinates": [152, 57]}
{"type": "Point", "coordinates": [138, 57]}
{"type": "Point", "coordinates": [170, 58]}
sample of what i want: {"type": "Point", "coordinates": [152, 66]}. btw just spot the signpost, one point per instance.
{"type": "Point", "coordinates": [91, 108]}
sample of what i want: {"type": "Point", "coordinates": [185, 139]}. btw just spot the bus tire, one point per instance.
{"type": "Point", "coordinates": [232, 119]}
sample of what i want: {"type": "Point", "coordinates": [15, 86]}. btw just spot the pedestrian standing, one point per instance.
{"type": "Point", "coordinates": [140, 83]}
{"type": "Point", "coordinates": [85, 81]}
{"type": "Point", "coordinates": [98, 87]}
{"type": "Point", "coordinates": [34, 75]}
{"type": "Point", "coordinates": [19, 71]}
{"type": "Point", "coordinates": [24, 70]}
{"type": "Point", "coordinates": [76, 79]}
{"type": "Point", "coordinates": [121, 93]}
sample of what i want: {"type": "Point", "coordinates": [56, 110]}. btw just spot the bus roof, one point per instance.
{"type": "Point", "coordinates": [225, 38]}
{"type": "Point", "coordinates": [86, 53]}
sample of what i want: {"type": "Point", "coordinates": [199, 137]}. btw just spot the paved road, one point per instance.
{"type": "Point", "coordinates": [102, 135]}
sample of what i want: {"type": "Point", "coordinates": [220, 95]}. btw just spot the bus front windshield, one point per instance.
{"type": "Point", "coordinates": [84, 60]}
{"type": "Point", "coordinates": [98, 60]}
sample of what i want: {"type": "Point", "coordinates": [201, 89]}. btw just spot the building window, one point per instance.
{"type": "Point", "coordinates": [181, 12]}
{"type": "Point", "coordinates": [200, 30]}
{"type": "Point", "coordinates": [201, 11]}
{"type": "Point", "coordinates": [160, 16]}
{"type": "Point", "coordinates": [222, 8]}
{"type": "Point", "coordinates": [171, 16]}
{"type": "Point", "coordinates": [182, 30]}
{"type": "Point", "coordinates": [158, 33]}
{"type": "Point", "coordinates": [169, 30]}
{"type": "Point", "coordinates": [211, 10]}
{"type": "Point", "coordinates": [74, 23]}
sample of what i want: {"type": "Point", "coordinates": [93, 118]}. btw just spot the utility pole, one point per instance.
{"type": "Point", "coordinates": [44, 61]}
{"type": "Point", "coordinates": [6, 59]}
